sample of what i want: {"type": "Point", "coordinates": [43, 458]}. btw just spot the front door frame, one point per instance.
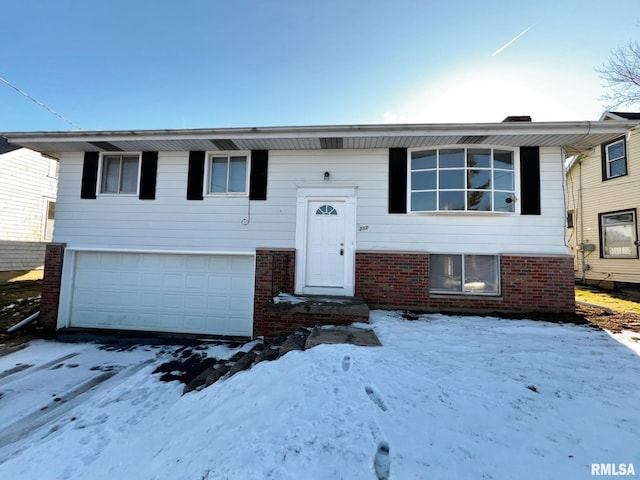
{"type": "Point", "coordinates": [329, 193]}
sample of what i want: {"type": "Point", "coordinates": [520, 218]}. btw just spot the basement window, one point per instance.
{"type": "Point", "coordinates": [464, 274]}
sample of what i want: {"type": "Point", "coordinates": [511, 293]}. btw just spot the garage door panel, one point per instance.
{"type": "Point", "coordinates": [151, 280]}
{"type": "Point", "coordinates": [174, 281]}
{"type": "Point", "coordinates": [196, 282]}
{"type": "Point", "coordinates": [164, 292]}
{"type": "Point", "coordinates": [195, 302]}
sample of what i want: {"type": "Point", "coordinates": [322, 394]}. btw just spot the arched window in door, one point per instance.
{"type": "Point", "coordinates": [326, 210]}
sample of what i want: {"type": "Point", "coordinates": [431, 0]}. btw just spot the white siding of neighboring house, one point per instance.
{"type": "Point", "coordinates": [172, 222]}
{"type": "Point", "coordinates": [27, 181]}
{"type": "Point", "coordinates": [599, 196]}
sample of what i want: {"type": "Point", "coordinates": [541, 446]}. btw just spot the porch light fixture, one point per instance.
{"type": "Point", "coordinates": [326, 176]}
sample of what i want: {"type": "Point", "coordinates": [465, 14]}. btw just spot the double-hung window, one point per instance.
{"type": "Point", "coordinates": [618, 234]}
{"type": "Point", "coordinates": [120, 173]}
{"type": "Point", "coordinates": [464, 274]}
{"type": "Point", "coordinates": [466, 179]}
{"type": "Point", "coordinates": [615, 159]}
{"type": "Point", "coordinates": [228, 173]}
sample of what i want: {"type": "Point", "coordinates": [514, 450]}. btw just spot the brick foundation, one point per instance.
{"type": "Point", "coordinates": [529, 284]}
{"type": "Point", "coordinates": [266, 260]}
{"type": "Point", "coordinates": [53, 259]}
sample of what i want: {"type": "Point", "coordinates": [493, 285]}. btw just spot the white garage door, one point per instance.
{"type": "Point", "coordinates": [205, 294]}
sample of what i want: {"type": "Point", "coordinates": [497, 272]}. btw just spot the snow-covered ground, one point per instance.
{"type": "Point", "coordinates": [445, 397]}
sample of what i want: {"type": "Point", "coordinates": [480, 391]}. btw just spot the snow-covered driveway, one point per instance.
{"type": "Point", "coordinates": [445, 397]}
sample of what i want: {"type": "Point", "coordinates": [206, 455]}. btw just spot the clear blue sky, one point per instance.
{"type": "Point", "coordinates": [139, 64]}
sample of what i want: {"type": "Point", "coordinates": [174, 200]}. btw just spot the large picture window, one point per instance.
{"type": "Point", "coordinates": [464, 274]}
{"type": "Point", "coordinates": [227, 174]}
{"type": "Point", "coordinates": [615, 159]}
{"type": "Point", "coordinates": [467, 179]}
{"type": "Point", "coordinates": [618, 234]}
{"type": "Point", "coordinates": [120, 174]}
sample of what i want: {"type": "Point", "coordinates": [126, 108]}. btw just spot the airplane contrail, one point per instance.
{"type": "Point", "coordinates": [512, 40]}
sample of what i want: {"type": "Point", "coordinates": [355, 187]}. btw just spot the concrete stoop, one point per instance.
{"type": "Point", "coordinates": [302, 339]}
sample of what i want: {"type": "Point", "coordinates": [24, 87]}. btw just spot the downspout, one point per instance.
{"type": "Point", "coordinates": [580, 236]}
{"type": "Point", "coordinates": [24, 322]}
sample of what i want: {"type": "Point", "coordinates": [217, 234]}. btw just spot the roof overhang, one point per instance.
{"type": "Point", "coordinates": [573, 136]}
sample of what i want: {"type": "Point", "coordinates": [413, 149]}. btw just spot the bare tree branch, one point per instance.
{"type": "Point", "coordinates": [622, 76]}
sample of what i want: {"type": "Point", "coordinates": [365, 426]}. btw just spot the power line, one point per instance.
{"type": "Point", "coordinates": [50, 110]}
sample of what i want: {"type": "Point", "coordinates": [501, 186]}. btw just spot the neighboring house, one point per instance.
{"type": "Point", "coordinates": [28, 182]}
{"type": "Point", "coordinates": [194, 230]}
{"type": "Point", "coordinates": [603, 186]}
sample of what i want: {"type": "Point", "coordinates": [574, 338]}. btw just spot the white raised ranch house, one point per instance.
{"type": "Point", "coordinates": [193, 231]}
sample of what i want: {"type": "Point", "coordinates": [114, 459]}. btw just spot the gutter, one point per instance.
{"type": "Point", "coordinates": [392, 130]}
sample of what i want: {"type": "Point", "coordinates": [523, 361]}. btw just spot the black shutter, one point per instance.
{"type": "Point", "coordinates": [258, 178]}
{"type": "Point", "coordinates": [397, 180]}
{"type": "Point", "coordinates": [530, 180]}
{"type": "Point", "coordinates": [148, 172]}
{"type": "Point", "coordinates": [195, 177]}
{"type": "Point", "coordinates": [89, 175]}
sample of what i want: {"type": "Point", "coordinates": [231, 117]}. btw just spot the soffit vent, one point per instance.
{"type": "Point", "coordinates": [472, 139]}
{"type": "Point", "coordinates": [106, 146]}
{"type": "Point", "coordinates": [224, 144]}
{"type": "Point", "coordinates": [327, 143]}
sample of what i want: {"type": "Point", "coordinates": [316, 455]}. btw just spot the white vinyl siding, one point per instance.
{"type": "Point", "coordinates": [25, 189]}
{"type": "Point", "coordinates": [230, 223]}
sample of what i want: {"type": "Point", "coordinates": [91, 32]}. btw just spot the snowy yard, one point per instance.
{"type": "Point", "coordinates": [445, 397]}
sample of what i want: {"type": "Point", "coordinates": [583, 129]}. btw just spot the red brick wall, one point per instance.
{"type": "Point", "coordinates": [528, 283]}
{"type": "Point", "coordinates": [392, 278]}
{"type": "Point", "coordinates": [263, 285]}
{"type": "Point", "coordinates": [275, 322]}
{"type": "Point", "coordinates": [51, 286]}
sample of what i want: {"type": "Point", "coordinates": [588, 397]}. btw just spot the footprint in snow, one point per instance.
{"type": "Point", "coordinates": [375, 398]}
{"type": "Point", "coordinates": [346, 363]}
{"type": "Point", "coordinates": [382, 462]}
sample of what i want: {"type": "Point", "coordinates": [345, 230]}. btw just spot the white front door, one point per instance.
{"type": "Point", "coordinates": [325, 259]}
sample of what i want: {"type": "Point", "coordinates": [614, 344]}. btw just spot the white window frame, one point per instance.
{"type": "Point", "coordinates": [45, 219]}
{"type": "Point", "coordinates": [232, 153]}
{"type": "Point", "coordinates": [608, 161]}
{"type": "Point", "coordinates": [466, 147]}
{"type": "Point", "coordinates": [99, 187]}
{"type": "Point", "coordinates": [462, 291]}
{"type": "Point", "coordinates": [634, 226]}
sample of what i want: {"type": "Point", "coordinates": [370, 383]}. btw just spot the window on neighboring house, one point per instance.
{"type": "Point", "coordinates": [120, 173]}
{"type": "Point", "coordinates": [50, 213]}
{"type": "Point", "coordinates": [614, 159]}
{"type": "Point", "coordinates": [54, 168]}
{"type": "Point", "coordinates": [228, 174]}
{"type": "Point", "coordinates": [466, 179]}
{"type": "Point", "coordinates": [618, 234]}
{"type": "Point", "coordinates": [464, 274]}
{"type": "Point", "coordinates": [570, 219]}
